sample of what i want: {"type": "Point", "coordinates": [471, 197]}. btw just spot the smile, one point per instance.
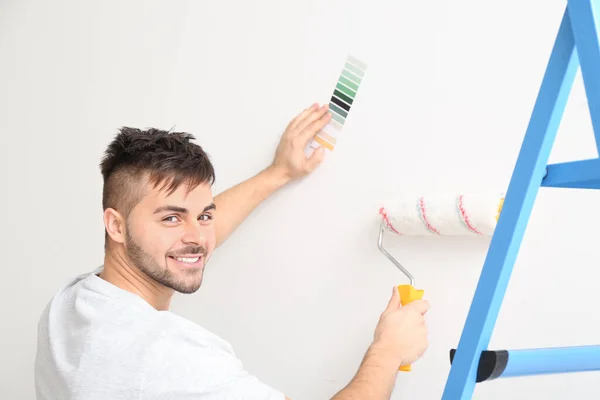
{"type": "Point", "coordinates": [188, 261]}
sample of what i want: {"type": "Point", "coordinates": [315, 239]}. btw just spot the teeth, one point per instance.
{"type": "Point", "coordinates": [187, 260]}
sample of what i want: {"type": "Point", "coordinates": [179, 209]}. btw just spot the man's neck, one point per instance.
{"type": "Point", "coordinates": [119, 271]}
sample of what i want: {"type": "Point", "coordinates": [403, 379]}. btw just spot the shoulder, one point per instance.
{"type": "Point", "coordinates": [187, 360]}
{"type": "Point", "coordinates": [177, 340]}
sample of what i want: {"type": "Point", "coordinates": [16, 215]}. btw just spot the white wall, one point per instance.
{"type": "Point", "coordinates": [442, 76]}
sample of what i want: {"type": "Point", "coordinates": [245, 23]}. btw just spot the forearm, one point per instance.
{"type": "Point", "coordinates": [236, 203]}
{"type": "Point", "coordinates": [375, 378]}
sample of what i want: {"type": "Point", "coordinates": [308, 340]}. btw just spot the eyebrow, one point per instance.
{"type": "Point", "coordinates": [182, 210]}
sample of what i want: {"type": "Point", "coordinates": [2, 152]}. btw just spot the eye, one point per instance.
{"type": "Point", "coordinates": [205, 217]}
{"type": "Point", "coordinates": [170, 219]}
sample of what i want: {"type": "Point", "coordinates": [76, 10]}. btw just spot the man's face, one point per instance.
{"type": "Point", "coordinates": [170, 238]}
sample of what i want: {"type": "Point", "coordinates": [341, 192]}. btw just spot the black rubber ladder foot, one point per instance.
{"type": "Point", "coordinates": [491, 364]}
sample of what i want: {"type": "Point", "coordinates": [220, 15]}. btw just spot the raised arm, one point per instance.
{"type": "Point", "coordinates": [289, 163]}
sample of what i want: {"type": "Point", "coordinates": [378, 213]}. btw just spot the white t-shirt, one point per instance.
{"type": "Point", "coordinates": [99, 342]}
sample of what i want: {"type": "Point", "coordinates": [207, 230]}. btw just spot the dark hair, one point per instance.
{"type": "Point", "coordinates": [163, 157]}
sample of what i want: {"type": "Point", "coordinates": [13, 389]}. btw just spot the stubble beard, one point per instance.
{"type": "Point", "coordinates": [192, 279]}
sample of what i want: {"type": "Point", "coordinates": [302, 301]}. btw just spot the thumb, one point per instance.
{"type": "Point", "coordinates": [394, 302]}
{"type": "Point", "coordinates": [315, 159]}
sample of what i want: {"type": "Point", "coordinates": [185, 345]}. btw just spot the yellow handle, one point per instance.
{"type": "Point", "coordinates": [408, 294]}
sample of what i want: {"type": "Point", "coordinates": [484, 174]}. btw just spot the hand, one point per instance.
{"type": "Point", "coordinates": [401, 331]}
{"type": "Point", "coordinates": [290, 162]}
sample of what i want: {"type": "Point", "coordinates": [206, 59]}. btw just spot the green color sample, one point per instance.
{"type": "Point", "coordinates": [349, 83]}
{"type": "Point", "coordinates": [338, 110]}
{"type": "Point", "coordinates": [356, 62]}
{"type": "Point", "coordinates": [337, 117]}
{"type": "Point", "coordinates": [342, 96]}
{"type": "Point", "coordinates": [351, 76]}
{"type": "Point", "coordinates": [344, 89]}
{"type": "Point", "coordinates": [355, 70]}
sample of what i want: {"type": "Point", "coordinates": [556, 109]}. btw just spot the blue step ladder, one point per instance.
{"type": "Point", "coordinates": [576, 45]}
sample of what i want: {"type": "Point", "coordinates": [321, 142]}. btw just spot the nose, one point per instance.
{"type": "Point", "coordinates": [195, 234]}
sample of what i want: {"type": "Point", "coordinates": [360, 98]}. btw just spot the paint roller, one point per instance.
{"type": "Point", "coordinates": [464, 214]}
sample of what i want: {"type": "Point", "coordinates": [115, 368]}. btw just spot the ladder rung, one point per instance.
{"type": "Point", "coordinates": [583, 174]}
{"type": "Point", "coordinates": [553, 360]}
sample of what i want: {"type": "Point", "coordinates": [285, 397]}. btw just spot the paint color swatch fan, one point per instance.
{"type": "Point", "coordinates": [341, 102]}
{"type": "Point", "coordinates": [465, 214]}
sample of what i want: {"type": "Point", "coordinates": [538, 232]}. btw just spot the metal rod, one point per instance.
{"type": "Point", "coordinates": [382, 228]}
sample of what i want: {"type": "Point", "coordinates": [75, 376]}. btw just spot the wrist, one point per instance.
{"type": "Point", "coordinates": [276, 176]}
{"type": "Point", "coordinates": [384, 356]}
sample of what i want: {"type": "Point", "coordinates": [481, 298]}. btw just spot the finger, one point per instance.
{"type": "Point", "coordinates": [311, 130]}
{"type": "Point", "coordinates": [312, 117]}
{"type": "Point", "coordinates": [294, 122]}
{"type": "Point", "coordinates": [422, 306]}
{"type": "Point", "coordinates": [300, 117]}
{"type": "Point", "coordinates": [315, 159]}
{"type": "Point", "coordinates": [394, 302]}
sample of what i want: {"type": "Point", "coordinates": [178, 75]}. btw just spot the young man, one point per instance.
{"type": "Point", "coordinates": [109, 334]}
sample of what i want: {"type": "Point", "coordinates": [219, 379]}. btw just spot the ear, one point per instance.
{"type": "Point", "coordinates": [115, 225]}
